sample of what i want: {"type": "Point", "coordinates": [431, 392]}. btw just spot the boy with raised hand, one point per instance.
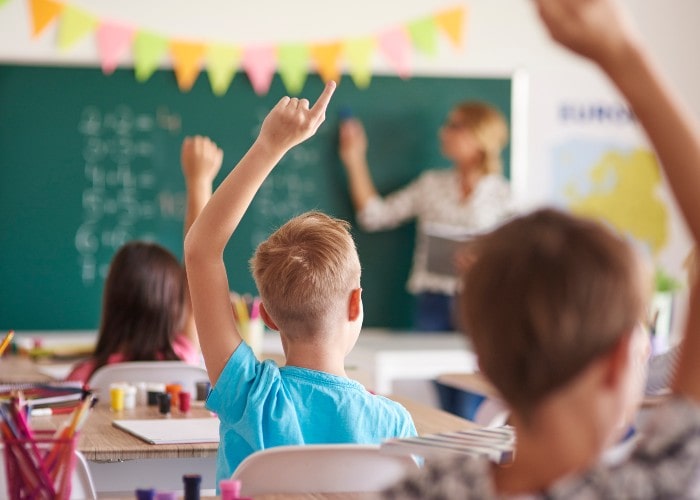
{"type": "Point", "coordinates": [308, 276]}
{"type": "Point", "coordinates": [554, 303]}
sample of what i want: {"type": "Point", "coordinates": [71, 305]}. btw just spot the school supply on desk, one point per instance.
{"type": "Point", "coordinates": [496, 443]}
{"type": "Point", "coordinates": [39, 464]}
{"type": "Point", "coordinates": [6, 341]}
{"type": "Point", "coordinates": [172, 430]}
{"type": "Point", "coordinates": [55, 394]}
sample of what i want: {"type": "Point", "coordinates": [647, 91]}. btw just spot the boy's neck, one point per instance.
{"type": "Point", "coordinates": [561, 441]}
{"type": "Point", "coordinates": [315, 357]}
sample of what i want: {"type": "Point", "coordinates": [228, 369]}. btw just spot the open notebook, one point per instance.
{"type": "Point", "coordinates": [172, 430]}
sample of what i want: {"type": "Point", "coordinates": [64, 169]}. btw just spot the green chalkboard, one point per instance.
{"type": "Point", "coordinates": [88, 161]}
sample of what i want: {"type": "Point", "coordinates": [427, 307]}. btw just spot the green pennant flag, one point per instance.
{"type": "Point", "coordinates": [222, 63]}
{"type": "Point", "coordinates": [424, 35]}
{"type": "Point", "coordinates": [75, 24]}
{"type": "Point", "coordinates": [292, 63]}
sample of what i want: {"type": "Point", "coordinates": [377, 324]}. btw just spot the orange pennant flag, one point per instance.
{"type": "Point", "coordinates": [187, 58]}
{"type": "Point", "coordinates": [326, 57]}
{"type": "Point", "coordinates": [452, 22]}
{"type": "Point", "coordinates": [42, 13]}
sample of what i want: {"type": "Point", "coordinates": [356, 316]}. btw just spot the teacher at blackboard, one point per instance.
{"type": "Point", "coordinates": [471, 197]}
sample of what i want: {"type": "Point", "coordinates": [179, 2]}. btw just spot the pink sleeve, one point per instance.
{"type": "Point", "coordinates": [81, 372]}
{"type": "Point", "coordinates": [186, 351]}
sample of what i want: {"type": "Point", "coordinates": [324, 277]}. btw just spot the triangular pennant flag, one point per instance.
{"type": "Point", "coordinates": [42, 13]}
{"type": "Point", "coordinates": [113, 40]}
{"type": "Point", "coordinates": [326, 57]}
{"type": "Point", "coordinates": [292, 63]}
{"type": "Point", "coordinates": [148, 49]}
{"type": "Point", "coordinates": [424, 35]}
{"type": "Point", "coordinates": [396, 46]}
{"type": "Point", "coordinates": [3, 2]}
{"type": "Point", "coordinates": [222, 63]}
{"type": "Point", "coordinates": [358, 53]}
{"type": "Point", "coordinates": [187, 59]}
{"type": "Point", "coordinates": [75, 24]}
{"type": "Point", "coordinates": [259, 65]}
{"type": "Point", "coordinates": [452, 22]}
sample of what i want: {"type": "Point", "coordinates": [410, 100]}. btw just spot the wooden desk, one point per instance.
{"type": "Point", "coordinates": [473, 382]}
{"type": "Point", "coordinates": [115, 455]}
{"type": "Point", "coordinates": [20, 369]}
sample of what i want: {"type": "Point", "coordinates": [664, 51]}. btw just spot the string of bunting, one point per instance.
{"type": "Point", "coordinates": [293, 61]}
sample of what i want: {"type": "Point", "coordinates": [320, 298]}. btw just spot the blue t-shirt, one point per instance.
{"type": "Point", "coordinates": [261, 405]}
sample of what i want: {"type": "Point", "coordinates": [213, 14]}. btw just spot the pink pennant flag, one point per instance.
{"type": "Point", "coordinates": [259, 64]}
{"type": "Point", "coordinates": [395, 44]}
{"type": "Point", "coordinates": [113, 41]}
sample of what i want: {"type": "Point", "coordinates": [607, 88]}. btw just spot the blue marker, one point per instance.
{"type": "Point", "coordinates": [345, 113]}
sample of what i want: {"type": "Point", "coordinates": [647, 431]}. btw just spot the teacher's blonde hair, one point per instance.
{"type": "Point", "coordinates": [489, 128]}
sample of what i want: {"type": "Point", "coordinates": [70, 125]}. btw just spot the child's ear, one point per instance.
{"type": "Point", "coordinates": [267, 319]}
{"type": "Point", "coordinates": [355, 305]}
{"type": "Point", "coordinates": [617, 361]}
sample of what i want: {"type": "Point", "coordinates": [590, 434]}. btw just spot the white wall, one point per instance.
{"type": "Point", "coordinates": [502, 36]}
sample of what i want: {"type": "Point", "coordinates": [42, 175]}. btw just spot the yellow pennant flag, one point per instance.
{"type": "Point", "coordinates": [42, 13]}
{"type": "Point", "coordinates": [75, 24]}
{"type": "Point", "coordinates": [359, 52]}
{"type": "Point", "coordinates": [148, 49]}
{"type": "Point", "coordinates": [326, 57]}
{"type": "Point", "coordinates": [222, 63]}
{"type": "Point", "coordinates": [187, 57]}
{"type": "Point", "coordinates": [452, 22]}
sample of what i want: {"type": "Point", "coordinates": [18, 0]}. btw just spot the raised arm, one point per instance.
{"type": "Point", "coordinates": [353, 154]}
{"type": "Point", "coordinates": [599, 30]}
{"type": "Point", "coordinates": [200, 159]}
{"type": "Point", "coordinates": [289, 123]}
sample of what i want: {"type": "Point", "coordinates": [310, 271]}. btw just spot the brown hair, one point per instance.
{"type": "Point", "coordinates": [142, 304]}
{"type": "Point", "coordinates": [549, 293]}
{"type": "Point", "coordinates": [489, 128]}
{"type": "Point", "coordinates": [306, 269]}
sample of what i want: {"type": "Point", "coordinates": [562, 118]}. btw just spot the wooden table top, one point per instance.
{"type": "Point", "coordinates": [100, 441]}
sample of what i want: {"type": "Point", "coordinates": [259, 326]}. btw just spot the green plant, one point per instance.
{"type": "Point", "coordinates": [665, 282]}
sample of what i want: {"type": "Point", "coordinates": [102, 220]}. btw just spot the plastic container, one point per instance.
{"type": "Point", "coordinates": [39, 468]}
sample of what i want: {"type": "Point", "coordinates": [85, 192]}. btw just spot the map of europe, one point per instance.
{"type": "Point", "coordinates": [619, 185]}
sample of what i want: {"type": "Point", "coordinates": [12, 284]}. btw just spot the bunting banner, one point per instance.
{"type": "Point", "coordinates": [293, 61]}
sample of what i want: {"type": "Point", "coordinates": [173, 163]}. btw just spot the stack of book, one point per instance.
{"type": "Point", "coordinates": [495, 443]}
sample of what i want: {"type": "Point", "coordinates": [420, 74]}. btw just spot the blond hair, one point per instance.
{"type": "Point", "coordinates": [548, 294]}
{"type": "Point", "coordinates": [306, 269]}
{"type": "Point", "coordinates": [489, 128]}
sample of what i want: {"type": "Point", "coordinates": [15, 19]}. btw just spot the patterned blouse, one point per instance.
{"type": "Point", "coordinates": [435, 200]}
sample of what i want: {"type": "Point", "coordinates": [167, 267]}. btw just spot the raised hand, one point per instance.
{"type": "Point", "coordinates": [597, 29]}
{"type": "Point", "coordinates": [291, 121]}
{"type": "Point", "coordinates": [352, 143]}
{"type": "Point", "coordinates": [201, 159]}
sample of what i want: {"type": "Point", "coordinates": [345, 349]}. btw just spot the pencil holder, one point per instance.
{"type": "Point", "coordinates": [39, 468]}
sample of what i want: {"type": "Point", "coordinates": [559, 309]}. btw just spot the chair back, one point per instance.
{"type": "Point", "coordinates": [323, 468]}
{"type": "Point", "coordinates": [147, 371]}
{"type": "Point", "coordinates": [82, 486]}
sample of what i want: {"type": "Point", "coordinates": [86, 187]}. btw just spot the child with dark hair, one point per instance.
{"type": "Point", "coordinates": [146, 313]}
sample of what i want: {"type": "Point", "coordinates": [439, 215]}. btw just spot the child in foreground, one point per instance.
{"type": "Point", "coordinates": [554, 304]}
{"type": "Point", "coordinates": [308, 277]}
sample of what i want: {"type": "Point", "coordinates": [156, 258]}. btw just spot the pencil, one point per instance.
{"type": "Point", "coordinates": [6, 341]}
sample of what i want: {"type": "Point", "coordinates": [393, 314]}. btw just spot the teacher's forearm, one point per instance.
{"type": "Point", "coordinates": [361, 185]}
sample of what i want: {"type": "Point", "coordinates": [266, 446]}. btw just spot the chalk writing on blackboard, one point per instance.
{"type": "Point", "coordinates": [121, 197]}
